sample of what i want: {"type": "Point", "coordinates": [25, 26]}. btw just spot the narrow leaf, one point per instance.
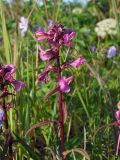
{"type": "Point", "coordinates": [40, 124]}
{"type": "Point", "coordinates": [30, 150]}
{"type": "Point", "coordinates": [79, 150]}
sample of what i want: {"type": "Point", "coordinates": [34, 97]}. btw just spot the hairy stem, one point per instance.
{"type": "Point", "coordinates": [60, 109]}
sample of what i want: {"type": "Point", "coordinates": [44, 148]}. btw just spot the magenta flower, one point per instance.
{"type": "Point", "coordinates": [43, 76]}
{"type": "Point", "coordinates": [56, 36]}
{"type": "Point", "coordinates": [18, 85]}
{"type": "Point", "coordinates": [68, 38]}
{"type": "Point", "coordinates": [46, 54]}
{"type": "Point", "coordinates": [117, 115]}
{"type": "Point", "coordinates": [6, 77]}
{"type": "Point", "coordinates": [6, 71]}
{"type": "Point", "coordinates": [10, 68]}
{"type": "Point", "coordinates": [79, 61]}
{"type": "Point", "coordinates": [41, 35]}
{"type": "Point", "coordinates": [76, 63]}
{"type": "Point", "coordinates": [64, 84]}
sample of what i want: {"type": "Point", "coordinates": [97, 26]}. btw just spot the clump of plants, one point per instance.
{"type": "Point", "coordinates": [7, 82]}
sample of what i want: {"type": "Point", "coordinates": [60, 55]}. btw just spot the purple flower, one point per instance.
{"type": "Point", "coordinates": [68, 38]}
{"type": "Point", "coordinates": [1, 117]}
{"type": "Point", "coordinates": [56, 36]}
{"type": "Point", "coordinates": [76, 63]}
{"type": "Point", "coordinates": [40, 35]}
{"type": "Point", "coordinates": [117, 115]}
{"type": "Point", "coordinates": [93, 49]}
{"type": "Point", "coordinates": [6, 72]}
{"type": "Point", "coordinates": [43, 76]}
{"type": "Point", "coordinates": [46, 54]}
{"type": "Point", "coordinates": [111, 52]}
{"type": "Point", "coordinates": [18, 85]}
{"type": "Point", "coordinates": [6, 77]}
{"type": "Point", "coordinates": [23, 25]}
{"type": "Point", "coordinates": [10, 68]}
{"type": "Point", "coordinates": [64, 84]}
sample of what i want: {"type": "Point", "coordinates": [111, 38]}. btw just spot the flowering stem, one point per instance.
{"type": "Point", "coordinates": [5, 114]}
{"type": "Point", "coordinates": [8, 134]}
{"type": "Point", "coordinates": [60, 108]}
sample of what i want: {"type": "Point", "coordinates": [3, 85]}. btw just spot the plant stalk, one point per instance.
{"type": "Point", "coordinates": [8, 134]}
{"type": "Point", "coordinates": [60, 108]}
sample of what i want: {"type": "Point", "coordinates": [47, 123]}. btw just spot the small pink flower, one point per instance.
{"type": "Point", "coordinates": [64, 84]}
{"type": "Point", "coordinates": [117, 115]}
{"type": "Point", "coordinates": [18, 85]}
{"type": "Point", "coordinates": [6, 72]}
{"type": "Point", "coordinates": [76, 63]}
{"type": "Point", "coordinates": [43, 77]}
{"type": "Point", "coordinates": [68, 37]}
{"type": "Point", "coordinates": [46, 54]}
{"type": "Point", "coordinates": [40, 35]}
{"type": "Point", "coordinates": [8, 77]}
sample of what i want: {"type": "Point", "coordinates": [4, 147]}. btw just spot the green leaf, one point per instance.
{"type": "Point", "coordinates": [5, 149]}
{"type": "Point", "coordinates": [30, 150]}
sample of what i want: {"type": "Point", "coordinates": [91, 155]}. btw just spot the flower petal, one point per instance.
{"type": "Point", "coordinates": [46, 55]}
{"type": "Point", "coordinates": [64, 84]}
{"type": "Point", "coordinates": [76, 63]}
{"type": "Point", "coordinates": [18, 85]}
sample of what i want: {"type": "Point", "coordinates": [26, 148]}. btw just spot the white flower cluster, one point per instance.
{"type": "Point", "coordinates": [77, 10]}
{"type": "Point", "coordinates": [106, 27]}
{"type": "Point", "coordinates": [23, 25]}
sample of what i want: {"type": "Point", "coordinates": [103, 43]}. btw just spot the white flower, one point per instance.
{"type": "Point", "coordinates": [77, 10]}
{"type": "Point", "coordinates": [106, 27]}
{"type": "Point", "coordinates": [23, 25]}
